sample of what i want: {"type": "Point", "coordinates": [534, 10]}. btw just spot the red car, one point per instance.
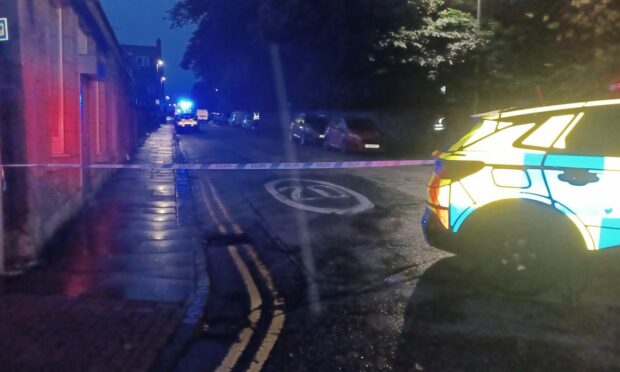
{"type": "Point", "coordinates": [353, 134]}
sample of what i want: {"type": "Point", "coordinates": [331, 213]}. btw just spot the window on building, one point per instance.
{"type": "Point", "coordinates": [82, 42]}
{"type": "Point", "coordinates": [58, 130]}
{"type": "Point", "coordinates": [100, 116]}
{"type": "Point", "coordinates": [142, 61]}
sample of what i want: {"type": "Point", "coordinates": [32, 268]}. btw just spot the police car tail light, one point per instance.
{"type": "Point", "coordinates": [445, 189]}
{"type": "Point", "coordinates": [443, 196]}
{"type": "Point", "coordinates": [439, 196]}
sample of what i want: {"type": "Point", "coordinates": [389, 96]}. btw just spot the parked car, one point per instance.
{"type": "Point", "coordinates": [356, 134]}
{"type": "Point", "coordinates": [236, 119]}
{"type": "Point", "coordinates": [186, 123]}
{"type": "Point", "coordinates": [527, 191]}
{"type": "Point", "coordinates": [308, 128]}
{"type": "Point", "coordinates": [217, 118]}
{"type": "Point", "coordinates": [252, 121]}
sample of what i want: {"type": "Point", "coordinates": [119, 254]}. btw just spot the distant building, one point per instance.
{"type": "Point", "coordinates": [147, 68]}
{"type": "Point", "coordinates": [65, 97]}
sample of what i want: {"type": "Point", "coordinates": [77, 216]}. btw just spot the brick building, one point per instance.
{"type": "Point", "coordinates": [65, 97]}
{"type": "Point", "coordinates": [147, 69]}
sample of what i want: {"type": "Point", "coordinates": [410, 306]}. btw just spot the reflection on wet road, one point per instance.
{"type": "Point", "coordinates": [129, 243]}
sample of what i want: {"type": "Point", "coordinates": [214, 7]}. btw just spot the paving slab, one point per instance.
{"type": "Point", "coordinates": [116, 281]}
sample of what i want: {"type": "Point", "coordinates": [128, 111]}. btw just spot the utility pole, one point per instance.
{"type": "Point", "coordinates": [477, 68]}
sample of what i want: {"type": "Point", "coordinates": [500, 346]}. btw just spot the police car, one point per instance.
{"type": "Point", "coordinates": [187, 122]}
{"type": "Point", "coordinates": [530, 189]}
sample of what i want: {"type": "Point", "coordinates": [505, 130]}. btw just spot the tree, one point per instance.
{"type": "Point", "coordinates": [335, 53]}
{"type": "Point", "coordinates": [222, 51]}
{"type": "Point", "coordinates": [570, 49]}
{"type": "Point", "coordinates": [443, 48]}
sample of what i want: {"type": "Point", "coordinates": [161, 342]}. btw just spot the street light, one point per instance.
{"type": "Point", "coordinates": [160, 62]}
{"type": "Point", "coordinates": [163, 78]}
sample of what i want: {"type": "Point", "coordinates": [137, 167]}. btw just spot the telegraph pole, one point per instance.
{"type": "Point", "coordinates": [477, 68]}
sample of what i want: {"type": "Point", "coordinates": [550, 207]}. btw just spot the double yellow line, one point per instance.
{"type": "Point", "coordinates": [276, 322]}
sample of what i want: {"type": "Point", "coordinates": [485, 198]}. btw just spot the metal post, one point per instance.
{"type": "Point", "coordinates": [477, 68]}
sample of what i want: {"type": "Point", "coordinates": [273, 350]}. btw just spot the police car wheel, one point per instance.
{"type": "Point", "coordinates": [526, 254]}
{"type": "Point", "coordinates": [514, 262]}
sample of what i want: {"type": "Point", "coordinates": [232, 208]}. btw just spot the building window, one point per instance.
{"type": "Point", "coordinates": [142, 61]}
{"type": "Point", "coordinates": [100, 117]}
{"type": "Point", "coordinates": [58, 130]}
{"type": "Point", "coordinates": [82, 42]}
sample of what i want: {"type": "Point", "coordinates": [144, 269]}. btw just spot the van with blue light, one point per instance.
{"type": "Point", "coordinates": [186, 117]}
{"type": "Point", "coordinates": [527, 190]}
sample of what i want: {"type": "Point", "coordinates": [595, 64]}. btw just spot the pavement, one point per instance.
{"type": "Point", "coordinates": [117, 281]}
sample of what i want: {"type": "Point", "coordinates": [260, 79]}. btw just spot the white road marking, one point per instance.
{"type": "Point", "coordinates": [321, 190]}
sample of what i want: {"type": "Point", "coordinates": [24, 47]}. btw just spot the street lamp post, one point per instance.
{"type": "Point", "coordinates": [162, 91]}
{"type": "Point", "coordinates": [162, 94]}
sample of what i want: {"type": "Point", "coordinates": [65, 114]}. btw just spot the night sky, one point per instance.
{"type": "Point", "coordinates": [141, 22]}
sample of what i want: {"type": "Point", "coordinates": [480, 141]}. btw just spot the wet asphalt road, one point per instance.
{"type": "Point", "coordinates": [350, 285]}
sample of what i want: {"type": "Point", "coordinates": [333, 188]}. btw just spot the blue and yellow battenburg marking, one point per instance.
{"type": "Point", "coordinates": [532, 171]}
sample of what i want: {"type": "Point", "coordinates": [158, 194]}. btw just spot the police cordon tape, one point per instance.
{"type": "Point", "coordinates": [236, 166]}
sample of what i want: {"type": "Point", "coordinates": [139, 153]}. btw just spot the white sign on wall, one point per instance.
{"type": "Point", "coordinates": [4, 29]}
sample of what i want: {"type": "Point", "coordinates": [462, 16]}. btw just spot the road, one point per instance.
{"type": "Point", "coordinates": [327, 270]}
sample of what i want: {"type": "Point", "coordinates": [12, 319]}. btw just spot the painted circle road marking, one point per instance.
{"type": "Point", "coordinates": [312, 195]}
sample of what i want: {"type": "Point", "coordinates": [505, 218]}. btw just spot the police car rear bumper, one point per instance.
{"type": "Point", "coordinates": [437, 235]}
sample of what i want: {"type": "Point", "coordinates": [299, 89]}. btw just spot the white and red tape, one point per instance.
{"type": "Point", "coordinates": [236, 166]}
